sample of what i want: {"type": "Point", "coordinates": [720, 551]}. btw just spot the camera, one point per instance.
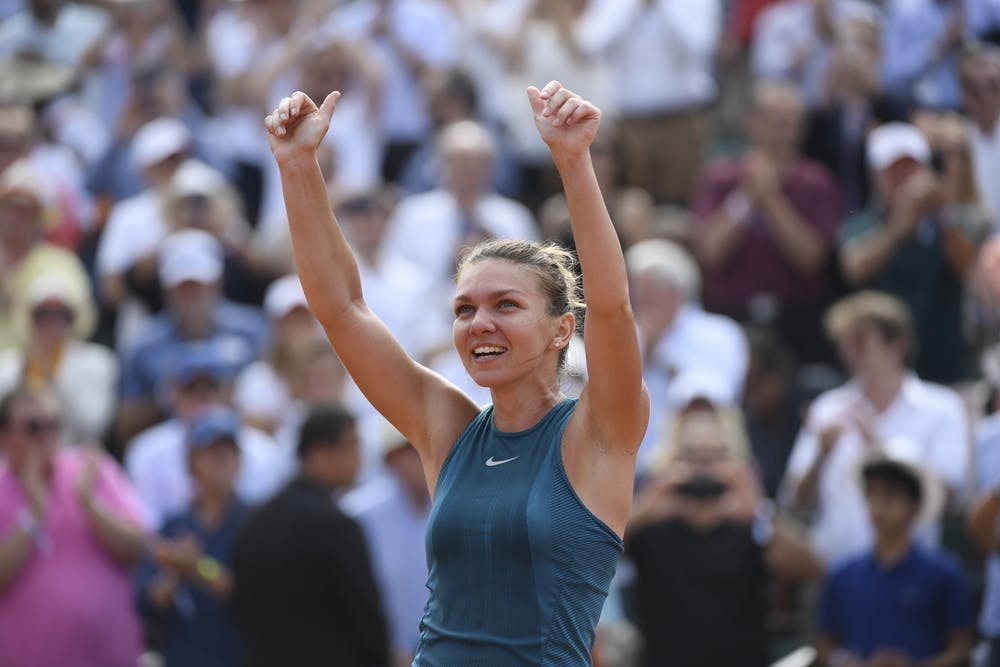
{"type": "Point", "coordinates": [702, 487]}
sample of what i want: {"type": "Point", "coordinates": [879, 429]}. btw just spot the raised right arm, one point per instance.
{"type": "Point", "coordinates": [425, 408]}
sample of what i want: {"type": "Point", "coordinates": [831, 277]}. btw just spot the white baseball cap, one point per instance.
{"type": "Point", "coordinates": [283, 296]}
{"type": "Point", "coordinates": [190, 255]}
{"type": "Point", "coordinates": [159, 139]}
{"type": "Point", "coordinates": [194, 177]}
{"type": "Point", "coordinates": [895, 141]}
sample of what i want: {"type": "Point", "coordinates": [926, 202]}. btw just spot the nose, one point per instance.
{"type": "Point", "coordinates": [482, 322]}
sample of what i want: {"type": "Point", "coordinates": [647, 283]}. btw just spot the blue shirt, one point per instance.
{"type": "Point", "coordinates": [911, 606]}
{"type": "Point", "coordinates": [198, 631]}
{"type": "Point", "coordinates": [238, 336]}
{"type": "Point", "coordinates": [518, 567]}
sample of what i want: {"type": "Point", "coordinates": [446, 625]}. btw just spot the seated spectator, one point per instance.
{"type": "Point", "coordinates": [27, 208]}
{"type": "Point", "coordinates": [906, 244]}
{"type": "Point", "coordinates": [305, 593]}
{"type": "Point", "coordinates": [897, 604]}
{"type": "Point", "coordinates": [184, 586]}
{"type": "Point", "coordinates": [156, 459]}
{"type": "Point", "coordinates": [882, 402]}
{"type": "Point", "coordinates": [84, 375]}
{"type": "Point", "coordinates": [392, 510]}
{"type": "Point", "coordinates": [704, 542]}
{"type": "Point", "coordinates": [430, 228]}
{"type": "Point", "coordinates": [70, 530]}
{"type": "Point", "coordinates": [979, 74]}
{"type": "Point", "coordinates": [678, 337]}
{"type": "Point", "coordinates": [765, 223]}
{"type": "Point", "coordinates": [191, 272]}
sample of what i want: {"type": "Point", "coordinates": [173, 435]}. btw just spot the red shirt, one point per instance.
{"type": "Point", "coordinates": [757, 265]}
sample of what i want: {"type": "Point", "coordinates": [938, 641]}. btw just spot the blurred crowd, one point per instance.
{"type": "Point", "coordinates": [808, 196]}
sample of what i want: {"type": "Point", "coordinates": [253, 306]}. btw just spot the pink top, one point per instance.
{"type": "Point", "coordinates": [71, 605]}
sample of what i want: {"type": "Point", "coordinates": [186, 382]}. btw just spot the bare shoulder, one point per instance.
{"type": "Point", "coordinates": [601, 472]}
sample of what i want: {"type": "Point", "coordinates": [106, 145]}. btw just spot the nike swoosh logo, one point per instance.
{"type": "Point", "coordinates": [490, 462]}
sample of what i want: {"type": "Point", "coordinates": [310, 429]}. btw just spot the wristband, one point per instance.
{"type": "Point", "coordinates": [208, 569]}
{"type": "Point", "coordinates": [29, 523]}
{"type": "Point", "coordinates": [737, 206]}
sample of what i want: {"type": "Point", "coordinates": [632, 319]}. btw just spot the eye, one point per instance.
{"type": "Point", "coordinates": [507, 303]}
{"type": "Point", "coordinates": [463, 309]}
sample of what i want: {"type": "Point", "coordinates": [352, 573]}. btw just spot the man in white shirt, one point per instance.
{"type": "Point", "coordinates": [683, 346]}
{"type": "Point", "coordinates": [430, 228]}
{"type": "Point", "coordinates": [884, 406]}
{"type": "Point", "coordinates": [979, 76]}
{"type": "Point", "coordinates": [662, 53]}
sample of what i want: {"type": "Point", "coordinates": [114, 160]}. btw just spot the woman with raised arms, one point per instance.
{"type": "Point", "coordinates": [531, 494]}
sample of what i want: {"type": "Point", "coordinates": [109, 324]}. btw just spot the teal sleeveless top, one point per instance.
{"type": "Point", "coordinates": [518, 567]}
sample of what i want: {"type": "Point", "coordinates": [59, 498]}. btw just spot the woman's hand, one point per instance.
{"type": "Point", "coordinates": [566, 122]}
{"type": "Point", "coordinates": [297, 126]}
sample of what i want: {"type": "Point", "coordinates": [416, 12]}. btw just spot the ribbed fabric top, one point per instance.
{"type": "Point", "coordinates": [518, 567]}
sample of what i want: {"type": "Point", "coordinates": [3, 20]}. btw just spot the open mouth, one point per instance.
{"type": "Point", "coordinates": [488, 351]}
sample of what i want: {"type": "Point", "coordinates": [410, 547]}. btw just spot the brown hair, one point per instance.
{"type": "Point", "coordinates": [887, 314]}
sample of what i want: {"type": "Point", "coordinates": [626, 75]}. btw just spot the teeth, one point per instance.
{"type": "Point", "coordinates": [488, 350]}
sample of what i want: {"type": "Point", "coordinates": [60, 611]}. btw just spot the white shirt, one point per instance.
{"type": "Point", "coordinates": [985, 149]}
{"type": "Point", "coordinates": [931, 416]}
{"type": "Point", "coordinates": [86, 383]}
{"type": "Point", "coordinates": [662, 56]}
{"type": "Point", "coordinates": [156, 462]}
{"type": "Point", "coordinates": [426, 228]}
{"type": "Point", "coordinates": [786, 30]}
{"type": "Point", "coordinates": [394, 530]}
{"type": "Point", "coordinates": [76, 30]}
{"type": "Point", "coordinates": [135, 227]}
{"type": "Point", "coordinates": [696, 343]}
{"type": "Point", "coordinates": [428, 30]}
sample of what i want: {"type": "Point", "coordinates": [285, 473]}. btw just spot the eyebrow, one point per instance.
{"type": "Point", "coordinates": [496, 294]}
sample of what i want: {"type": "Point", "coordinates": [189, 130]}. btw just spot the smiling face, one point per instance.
{"type": "Point", "coordinates": [503, 328]}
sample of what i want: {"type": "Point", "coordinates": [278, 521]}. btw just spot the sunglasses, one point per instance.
{"type": "Point", "coordinates": [36, 427]}
{"type": "Point", "coordinates": [52, 314]}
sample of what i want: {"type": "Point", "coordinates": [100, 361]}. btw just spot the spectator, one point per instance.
{"type": "Point", "coordinates": [661, 55]}
{"type": "Point", "coordinates": [136, 224]}
{"type": "Point", "coordinates": [983, 523]}
{"type": "Point", "coordinates": [57, 356]}
{"type": "Point", "coordinates": [797, 40]}
{"type": "Point", "coordinates": [70, 529]}
{"type": "Point", "coordinates": [897, 604]}
{"type": "Point", "coordinates": [392, 511]}
{"type": "Point", "coordinates": [771, 406]}
{"type": "Point", "coordinates": [765, 225]}
{"type": "Point", "coordinates": [397, 31]}
{"type": "Point", "coordinates": [191, 271]}
{"type": "Point", "coordinates": [882, 402]}
{"type": "Point", "coordinates": [905, 245]}
{"type": "Point", "coordinates": [68, 33]}
{"type": "Point", "coordinates": [678, 338]}
{"type": "Point", "coordinates": [27, 208]}
{"type": "Point", "coordinates": [980, 79]}
{"type": "Point", "coordinates": [185, 585]}
{"type": "Point", "coordinates": [305, 593]}
{"type": "Point", "coordinates": [920, 44]}
{"type": "Point", "coordinates": [430, 228]}
{"type": "Point", "coordinates": [156, 458]}
{"type": "Point", "coordinates": [704, 542]}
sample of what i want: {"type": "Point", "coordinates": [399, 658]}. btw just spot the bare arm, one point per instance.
{"type": "Point", "coordinates": [15, 549]}
{"type": "Point", "coordinates": [865, 256]}
{"type": "Point", "coordinates": [434, 412]}
{"type": "Point", "coordinates": [982, 522]}
{"type": "Point", "coordinates": [614, 398]}
{"type": "Point", "coordinates": [723, 231]}
{"type": "Point", "coordinates": [799, 243]}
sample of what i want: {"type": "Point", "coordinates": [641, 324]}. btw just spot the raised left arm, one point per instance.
{"type": "Point", "coordinates": [614, 399]}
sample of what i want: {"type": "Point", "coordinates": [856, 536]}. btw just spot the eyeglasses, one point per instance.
{"type": "Point", "coordinates": [36, 427]}
{"type": "Point", "coordinates": [52, 315]}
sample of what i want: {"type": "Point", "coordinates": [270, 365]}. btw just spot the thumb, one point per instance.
{"type": "Point", "coordinates": [329, 104]}
{"type": "Point", "coordinates": [535, 97]}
